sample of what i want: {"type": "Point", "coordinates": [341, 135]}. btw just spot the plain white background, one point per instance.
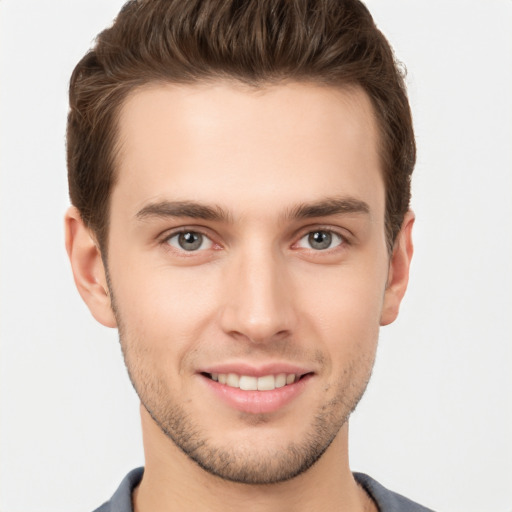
{"type": "Point", "coordinates": [436, 423]}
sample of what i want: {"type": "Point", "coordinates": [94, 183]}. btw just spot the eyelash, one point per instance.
{"type": "Point", "coordinates": [331, 234]}
{"type": "Point", "coordinates": [344, 240]}
{"type": "Point", "coordinates": [183, 252]}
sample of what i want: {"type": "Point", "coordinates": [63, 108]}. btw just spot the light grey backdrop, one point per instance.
{"type": "Point", "coordinates": [436, 423]}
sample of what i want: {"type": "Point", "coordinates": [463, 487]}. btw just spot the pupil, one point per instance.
{"type": "Point", "coordinates": [190, 241]}
{"type": "Point", "coordinates": [320, 240]}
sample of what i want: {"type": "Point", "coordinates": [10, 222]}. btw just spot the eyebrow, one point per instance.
{"type": "Point", "coordinates": [193, 210]}
{"type": "Point", "coordinates": [327, 207]}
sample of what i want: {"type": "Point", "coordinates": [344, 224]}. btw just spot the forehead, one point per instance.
{"type": "Point", "coordinates": [237, 145]}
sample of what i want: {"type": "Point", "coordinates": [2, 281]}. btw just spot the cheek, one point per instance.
{"type": "Point", "coordinates": [344, 303]}
{"type": "Point", "coordinates": [164, 310]}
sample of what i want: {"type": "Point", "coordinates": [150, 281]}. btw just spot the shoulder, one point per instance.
{"type": "Point", "coordinates": [104, 508]}
{"type": "Point", "coordinates": [386, 500]}
{"type": "Point", "coordinates": [121, 501]}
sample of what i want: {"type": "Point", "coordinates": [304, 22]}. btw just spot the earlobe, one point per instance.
{"type": "Point", "coordinates": [398, 274]}
{"type": "Point", "coordinates": [88, 270]}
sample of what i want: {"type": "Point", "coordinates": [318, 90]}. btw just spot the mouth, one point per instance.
{"type": "Point", "coordinates": [266, 388]}
{"type": "Point", "coordinates": [252, 383]}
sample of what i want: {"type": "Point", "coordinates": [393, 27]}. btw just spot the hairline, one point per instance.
{"type": "Point", "coordinates": [132, 88]}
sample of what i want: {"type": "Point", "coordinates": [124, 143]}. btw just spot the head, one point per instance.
{"type": "Point", "coordinates": [240, 172]}
{"type": "Point", "coordinates": [328, 42]}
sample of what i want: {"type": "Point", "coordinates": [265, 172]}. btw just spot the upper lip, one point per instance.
{"type": "Point", "coordinates": [274, 368]}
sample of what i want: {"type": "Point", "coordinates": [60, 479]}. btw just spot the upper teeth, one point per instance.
{"type": "Point", "coordinates": [249, 383]}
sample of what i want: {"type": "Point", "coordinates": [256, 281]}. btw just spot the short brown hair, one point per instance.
{"type": "Point", "coordinates": [257, 42]}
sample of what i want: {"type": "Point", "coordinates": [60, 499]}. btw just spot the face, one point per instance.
{"type": "Point", "coordinates": [248, 268]}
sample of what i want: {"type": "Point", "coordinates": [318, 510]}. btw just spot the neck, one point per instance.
{"type": "Point", "coordinates": [172, 481]}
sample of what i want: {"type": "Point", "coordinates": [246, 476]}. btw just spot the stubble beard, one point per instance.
{"type": "Point", "coordinates": [254, 465]}
{"type": "Point", "coordinates": [241, 464]}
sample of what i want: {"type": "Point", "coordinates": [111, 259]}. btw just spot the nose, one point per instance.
{"type": "Point", "coordinates": [258, 293]}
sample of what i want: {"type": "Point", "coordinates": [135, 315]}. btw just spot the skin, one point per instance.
{"type": "Point", "coordinates": [257, 291]}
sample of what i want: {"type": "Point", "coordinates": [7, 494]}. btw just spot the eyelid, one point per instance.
{"type": "Point", "coordinates": [165, 236]}
{"type": "Point", "coordinates": [336, 243]}
{"type": "Point", "coordinates": [344, 233]}
{"type": "Point", "coordinates": [205, 244]}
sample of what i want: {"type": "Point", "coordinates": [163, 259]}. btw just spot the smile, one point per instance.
{"type": "Point", "coordinates": [251, 383]}
{"type": "Point", "coordinates": [257, 394]}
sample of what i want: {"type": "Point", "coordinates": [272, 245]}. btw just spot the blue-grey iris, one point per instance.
{"type": "Point", "coordinates": [320, 240]}
{"type": "Point", "coordinates": [190, 241]}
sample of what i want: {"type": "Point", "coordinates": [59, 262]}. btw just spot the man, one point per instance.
{"type": "Point", "coordinates": [240, 180]}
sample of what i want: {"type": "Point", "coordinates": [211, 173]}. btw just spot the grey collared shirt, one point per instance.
{"type": "Point", "coordinates": [387, 501]}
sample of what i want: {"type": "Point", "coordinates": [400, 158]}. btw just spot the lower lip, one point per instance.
{"type": "Point", "coordinates": [257, 402]}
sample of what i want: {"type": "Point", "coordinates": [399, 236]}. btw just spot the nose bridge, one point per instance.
{"type": "Point", "coordinates": [258, 304]}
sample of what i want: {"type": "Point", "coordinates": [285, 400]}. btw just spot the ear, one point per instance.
{"type": "Point", "coordinates": [398, 274]}
{"type": "Point", "coordinates": [88, 270]}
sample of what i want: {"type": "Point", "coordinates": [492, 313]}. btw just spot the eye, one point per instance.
{"type": "Point", "coordinates": [320, 240]}
{"type": "Point", "coordinates": [189, 241]}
